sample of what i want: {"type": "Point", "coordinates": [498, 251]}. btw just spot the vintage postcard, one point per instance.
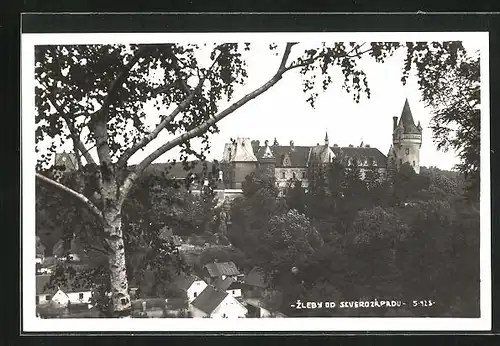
{"type": "Point", "coordinates": [279, 181]}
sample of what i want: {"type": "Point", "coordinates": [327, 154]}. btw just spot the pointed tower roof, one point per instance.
{"type": "Point", "coordinates": [267, 151]}
{"type": "Point", "coordinates": [406, 120]}
{"type": "Point", "coordinates": [243, 151]}
{"type": "Point", "coordinates": [326, 138]}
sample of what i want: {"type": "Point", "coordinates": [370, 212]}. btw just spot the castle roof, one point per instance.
{"type": "Point", "coordinates": [362, 154]}
{"type": "Point", "coordinates": [406, 120]}
{"type": "Point", "coordinates": [239, 151]}
{"type": "Point", "coordinates": [297, 154]}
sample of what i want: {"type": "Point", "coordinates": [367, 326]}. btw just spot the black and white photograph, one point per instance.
{"type": "Point", "coordinates": [279, 181]}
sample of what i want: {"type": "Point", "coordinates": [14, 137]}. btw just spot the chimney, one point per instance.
{"type": "Point", "coordinates": [367, 146]}
{"type": "Point", "coordinates": [292, 146]}
{"type": "Point", "coordinates": [335, 145]}
{"type": "Point", "coordinates": [394, 123]}
{"type": "Point", "coordinates": [351, 146]}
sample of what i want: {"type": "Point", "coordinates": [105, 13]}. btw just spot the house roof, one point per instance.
{"type": "Point", "coordinates": [185, 281]}
{"type": "Point", "coordinates": [41, 285]}
{"type": "Point", "coordinates": [175, 303]}
{"type": "Point", "coordinates": [256, 278]}
{"type": "Point", "coordinates": [222, 268]}
{"type": "Point", "coordinates": [177, 170]}
{"type": "Point", "coordinates": [224, 284]}
{"type": "Point", "coordinates": [209, 299]}
{"type": "Point", "coordinates": [150, 303]}
{"type": "Point", "coordinates": [42, 282]}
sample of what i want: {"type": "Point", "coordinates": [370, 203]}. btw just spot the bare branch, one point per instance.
{"type": "Point", "coordinates": [150, 137]}
{"type": "Point", "coordinates": [129, 181]}
{"type": "Point", "coordinates": [95, 248]}
{"type": "Point", "coordinates": [78, 196]}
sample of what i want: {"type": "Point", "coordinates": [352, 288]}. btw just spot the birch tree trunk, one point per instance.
{"type": "Point", "coordinates": [117, 265]}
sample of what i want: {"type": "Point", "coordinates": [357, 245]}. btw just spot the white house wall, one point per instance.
{"type": "Point", "coordinates": [60, 298]}
{"type": "Point", "coordinates": [229, 308]}
{"type": "Point", "coordinates": [74, 297]}
{"type": "Point", "coordinates": [195, 289]}
{"type": "Point", "coordinates": [236, 293]}
{"type": "Point", "coordinates": [196, 313]}
{"type": "Point", "coordinates": [44, 298]}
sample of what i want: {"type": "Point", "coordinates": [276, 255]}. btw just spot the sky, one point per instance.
{"type": "Point", "coordinates": [283, 112]}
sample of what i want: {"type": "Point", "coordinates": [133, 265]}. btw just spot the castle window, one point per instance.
{"type": "Point", "coordinates": [293, 175]}
{"type": "Point", "coordinates": [407, 151]}
{"type": "Point", "coordinates": [400, 161]}
{"type": "Point", "coordinates": [283, 175]}
{"type": "Point", "coordinates": [413, 163]}
{"type": "Point", "coordinates": [303, 175]}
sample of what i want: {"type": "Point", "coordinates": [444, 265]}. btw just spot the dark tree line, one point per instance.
{"type": "Point", "coordinates": [409, 238]}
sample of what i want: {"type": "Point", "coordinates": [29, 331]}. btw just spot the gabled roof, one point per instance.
{"type": "Point", "coordinates": [298, 154]}
{"type": "Point", "coordinates": [222, 268]}
{"type": "Point", "coordinates": [41, 285]}
{"type": "Point", "coordinates": [42, 282]}
{"type": "Point", "coordinates": [185, 281]}
{"type": "Point", "coordinates": [209, 299]}
{"type": "Point", "coordinates": [176, 303]}
{"type": "Point", "coordinates": [177, 170]}
{"type": "Point", "coordinates": [256, 278]}
{"type": "Point", "coordinates": [224, 284]}
{"type": "Point", "coordinates": [362, 154]}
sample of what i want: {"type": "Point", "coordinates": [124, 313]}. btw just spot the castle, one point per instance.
{"type": "Point", "coordinates": [291, 162]}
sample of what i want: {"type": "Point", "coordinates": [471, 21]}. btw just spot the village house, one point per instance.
{"type": "Point", "coordinates": [254, 284]}
{"type": "Point", "coordinates": [61, 295]}
{"type": "Point", "coordinates": [221, 270]}
{"type": "Point", "coordinates": [230, 285]}
{"type": "Point", "coordinates": [254, 289]}
{"type": "Point", "coordinates": [190, 284]}
{"type": "Point", "coordinates": [166, 234]}
{"type": "Point", "coordinates": [215, 303]}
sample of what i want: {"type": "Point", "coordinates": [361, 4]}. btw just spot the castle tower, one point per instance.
{"type": "Point", "coordinates": [241, 161]}
{"type": "Point", "coordinates": [406, 141]}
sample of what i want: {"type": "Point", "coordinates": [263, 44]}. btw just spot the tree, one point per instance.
{"type": "Point", "coordinates": [251, 213]}
{"type": "Point", "coordinates": [289, 241]}
{"type": "Point", "coordinates": [452, 91]}
{"type": "Point", "coordinates": [93, 97]}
